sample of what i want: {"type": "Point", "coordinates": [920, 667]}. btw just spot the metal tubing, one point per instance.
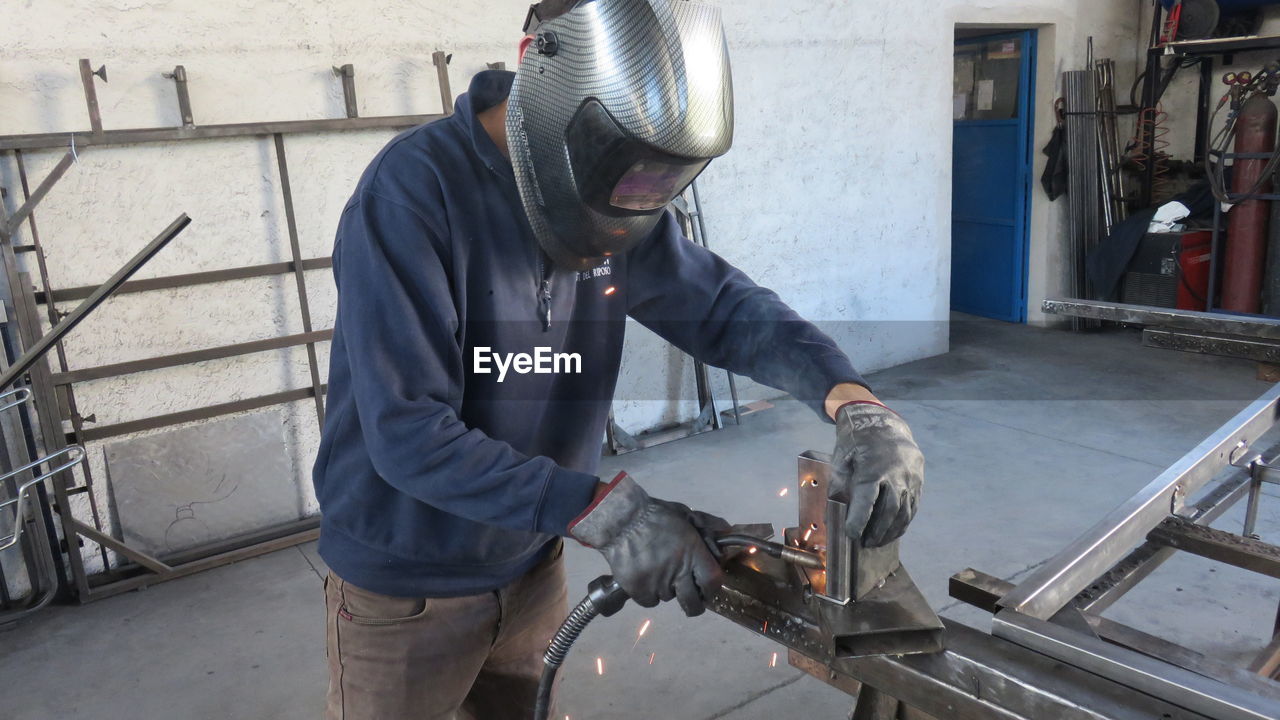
{"type": "Point", "coordinates": [37, 351]}
{"type": "Point", "coordinates": [59, 349]}
{"type": "Point", "coordinates": [441, 61]}
{"type": "Point", "coordinates": [186, 416]}
{"type": "Point", "coordinates": [1137, 565]}
{"type": "Point", "coordinates": [186, 358]}
{"type": "Point", "coordinates": [348, 75]}
{"type": "Point", "coordinates": [179, 78]}
{"type": "Point", "coordinates": [1159, 679]}
{"type": "Point", "coordinates": [1255, 495]}
{"type": "Point", "coordinates": [187, 280]}
{"type": "Point", "coordinates": [251, 548]}
{"type": "Point", "coordinates": [44, 141]}
{"type": "Point", "coordinates": [15, 221]}
{"type": "Point", "coordinates": [299, 277]}
{"type": "Point", "coordinates": [1212, 344]}
{"type": "Point", "coordinates": [979, 677]}
{"type": "Point", "coordinates": [91, 95]}
{"type": "Point", "coordinates": [1053, 585]}
{"type": "Point", "coordinates": [1249, 327]}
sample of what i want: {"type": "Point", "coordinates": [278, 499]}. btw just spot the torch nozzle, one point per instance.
{"type": "Point", "coordinates": [795, 556]}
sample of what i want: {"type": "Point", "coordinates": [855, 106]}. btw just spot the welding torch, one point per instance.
{"type": "Point", "coordinates": [606, 597]}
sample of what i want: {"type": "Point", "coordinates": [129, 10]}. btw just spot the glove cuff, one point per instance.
{"type": "Point", "coordinates": [620, 505]}
{"type": "Point", "coordinates": [852, 403]}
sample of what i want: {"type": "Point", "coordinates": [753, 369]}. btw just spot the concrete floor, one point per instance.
{"type": "Point", "coordinates": [1031, 435]}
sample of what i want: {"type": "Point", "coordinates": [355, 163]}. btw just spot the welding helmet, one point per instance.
{"type": "Point", "coordinates": [617, 106]}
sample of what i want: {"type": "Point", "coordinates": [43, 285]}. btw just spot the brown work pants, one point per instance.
{"type": "Point", "coordinates": [468, 658]}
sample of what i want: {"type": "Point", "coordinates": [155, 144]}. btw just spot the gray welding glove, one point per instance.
{"type": "Point", "coordinates": [657, 550]}
{"type": "Point", "coordinates": [878, 470]}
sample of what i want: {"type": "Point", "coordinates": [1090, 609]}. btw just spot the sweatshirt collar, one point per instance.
{"type": "Point", "coordinates": [488, 88]}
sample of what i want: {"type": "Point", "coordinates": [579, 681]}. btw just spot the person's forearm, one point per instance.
{"type": "Point", "coordinates": [845, 393]}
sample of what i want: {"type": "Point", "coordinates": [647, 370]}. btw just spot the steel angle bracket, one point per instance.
{"type": "Point", "coordinates": [864, 604]}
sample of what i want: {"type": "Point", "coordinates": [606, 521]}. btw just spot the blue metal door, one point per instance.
{"type": "Point", "coordinates": [991, 174]}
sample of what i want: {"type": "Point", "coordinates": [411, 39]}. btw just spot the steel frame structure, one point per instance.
{"type": "Point", "coordinates": [54, 389]}
{"type": "Point", "coordinates": [1050, 653]}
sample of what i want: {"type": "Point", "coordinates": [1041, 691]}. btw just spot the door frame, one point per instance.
{"type": "Point", "coordinates": [1024, 177]}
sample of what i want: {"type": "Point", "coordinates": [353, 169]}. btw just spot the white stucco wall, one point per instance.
{"type": "Point", "coordinates": [837, 193]}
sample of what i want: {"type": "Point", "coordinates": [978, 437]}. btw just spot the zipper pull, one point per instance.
{"type": "Point", "coordinates": [544, 296]}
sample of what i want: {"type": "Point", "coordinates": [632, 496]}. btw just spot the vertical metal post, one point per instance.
{"type": "Point", "coordinates": [179, 78]}
{"type": "Point", "coordinates": [1255, 494]}
{"type": "Point", "coordinates": [348, 75]}
{"type": "Point", "coordinates": [441, 61]}
{"type": "Point", "coordinates": [77, 422]}
{"type": "Point", "coordinates": [1204, 99]}
{"type": "Point", "coordinates": [299, 276]}
{"type": "Point", "coordinates": [91, 93]}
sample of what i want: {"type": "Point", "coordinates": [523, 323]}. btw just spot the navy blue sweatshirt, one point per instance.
{"type": "Point", "coordinates": [437, 479]}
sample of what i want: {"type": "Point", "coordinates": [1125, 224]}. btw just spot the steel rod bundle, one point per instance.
{"type": "Point", "coordinates": [1113, 207]}
{"type": "Point", "coordinates": [1085, 225]}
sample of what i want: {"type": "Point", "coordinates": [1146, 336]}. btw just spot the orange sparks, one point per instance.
{"type": "Point", "coordinates": [773, 661]}
{"type": "Point", "coordinates": [651, 657]}
{"type": "Point", "coordinates": [752, 551]}
{"type": "Point", "coordinates": [807, 534]}
{"type": "Point", "coordinates": [644, 628]}
{"type": "Point", "coordinates": [600, 665]}
{"type": "Point", "coordinates": [610, 290]}
{"type": "Point", "coordinates": [782, 492]}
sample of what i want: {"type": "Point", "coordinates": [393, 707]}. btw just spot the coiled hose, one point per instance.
{"type": "Point", "coordinates": [606, 597]}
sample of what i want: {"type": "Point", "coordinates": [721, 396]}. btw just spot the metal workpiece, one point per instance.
{"type": "Point", "coordinates": [851, 570]}
{"type": "Point", "coordinates": [810, 607]}
{"type": "Point", "coordinates": [1248, 326]}
{"type": "Point", "coordinates": [1052, 586]}
{"type": "Point", "coordinates": [977, 676]}
{"type": "Point", "coordinates": [1152, 676]}
{"type": "Point", "coordinates": [1267, 351]}
{"type": "Point", "coordinates": [1225, 547]}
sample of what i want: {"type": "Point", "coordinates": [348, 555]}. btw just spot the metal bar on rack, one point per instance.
{"type": "Point", "coordinates": [135, 136]}
{"type": "Point", "coordinates": [91, 93]}
{"type": "Point", "coordinates": [348, 75]}
{"type": "Point", "coordinates": [106, 540]}
{"type": "Point", "coordinates": [51, 309]}
{"type": "Point", "coordinates": [204, 413]}
{"type": "Point", "coordinates": [188, 279]}
{"type": "Point", "coordinates": [441, 61]}
{"type": "Point", "coordinates": [37, 351]}
{"type": "Point", "coordinates": [11, 225]}
{"type": "Point", "coordinates": [186, 358]}
{"type": "Point", "coordinates": [179, 78]}
{"type": "Point", "coordinates": [269, 540]}
{"type": "Point", "coordinates": [299, 276]}
{"type": "Point", "coordinates": [1052, 586]}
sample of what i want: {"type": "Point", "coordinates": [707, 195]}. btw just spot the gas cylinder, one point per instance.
{"type": "Point", "coordinates": [1247, 222]}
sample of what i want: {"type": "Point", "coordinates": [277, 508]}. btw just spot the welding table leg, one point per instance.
{"type": "Point", "coordinates": [874, 705]}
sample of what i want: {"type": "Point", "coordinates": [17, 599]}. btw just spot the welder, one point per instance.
{"type": "Point", "coordinates": [532, 223]}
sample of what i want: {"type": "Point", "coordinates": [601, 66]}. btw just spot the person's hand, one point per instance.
{"type": "Point", "coordinates": [657, 550]}
{"type": "Point", "coordinates": [877, 469]}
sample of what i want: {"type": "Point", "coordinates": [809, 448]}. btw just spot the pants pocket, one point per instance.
{"type": "Point", "coordinates": [364, 607]}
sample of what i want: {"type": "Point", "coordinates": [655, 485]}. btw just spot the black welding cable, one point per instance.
{"type": "Point", "coordinates": [605, 597]}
